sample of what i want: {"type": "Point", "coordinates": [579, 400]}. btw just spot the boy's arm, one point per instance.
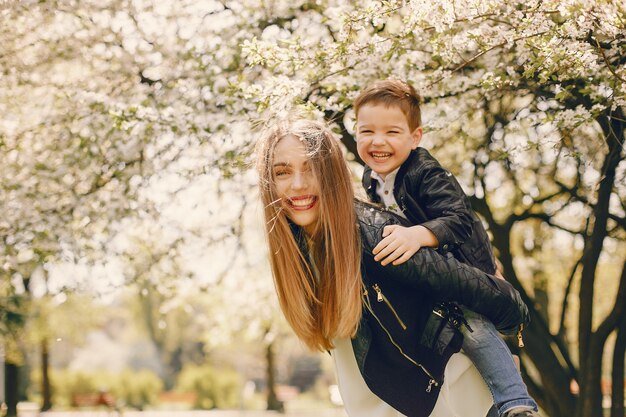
{"type": "Point", "coordinates": [443, 201]}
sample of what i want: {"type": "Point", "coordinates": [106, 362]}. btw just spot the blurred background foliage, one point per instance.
{"type": "Point", "coordinates": [130, 229]}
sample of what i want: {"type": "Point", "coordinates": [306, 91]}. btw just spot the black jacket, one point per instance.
{"type": "Point", "coordinates": [398, 299]}
{"type": "Point", "coordinates": [430, 196]}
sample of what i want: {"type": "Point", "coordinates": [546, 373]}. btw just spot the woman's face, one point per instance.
{"type": "Point", "coordinates": [296, 185]}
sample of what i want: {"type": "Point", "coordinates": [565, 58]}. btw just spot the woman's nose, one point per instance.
{"type": "Point", "coordinates": [299, 181]}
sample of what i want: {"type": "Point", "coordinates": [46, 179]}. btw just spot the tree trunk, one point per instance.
{"type": "Point", "coordinates": [272, 400]}
{"type": "Point", "coordinates": [541, 301]}
{"type": "Point", "coordinates": [332, 116]}
{"type": "Point", "coordinates": [11, 387]}
{"type": "Point", "coordinates": [562, 335]}
{"type": "Point", "coordinates": [596, 348]}
{"type": "Point", "coordinates": [543, 349]}
{"type": "Point", "coordinates": [45, 376]}
{"type": "Point", "coordinates": [617, 374]}
{"type": "Point", "coordinates": [544, 352]}
{"type": "Point", "coordinates": [149, 301]}
{"type": "Point", "coordinates": [591, 391]}
{"type": "Point", "coordinates": [590, 403]}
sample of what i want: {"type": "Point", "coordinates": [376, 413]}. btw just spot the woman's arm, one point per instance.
{"type": "Point", "coordinates": [445, 278]}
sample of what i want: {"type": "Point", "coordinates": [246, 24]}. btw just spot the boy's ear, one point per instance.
{"type": "Point", "coordinates": [416, 135]}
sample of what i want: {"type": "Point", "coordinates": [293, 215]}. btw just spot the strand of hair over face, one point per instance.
{"type": "Point", "coordinates": [318, 308]}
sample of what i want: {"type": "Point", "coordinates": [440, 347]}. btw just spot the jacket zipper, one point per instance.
{"type": "Point", "coordinates": [433, 380]}
{"type": "Point", "coordinates": [520, 340]}
{"type": "Point", "coordinates": [380, 297]}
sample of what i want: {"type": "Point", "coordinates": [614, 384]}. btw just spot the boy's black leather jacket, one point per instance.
{"type": "Point", "coordinates": [430, 196]}
{"type": "Point", "coordinates": [397, 302]}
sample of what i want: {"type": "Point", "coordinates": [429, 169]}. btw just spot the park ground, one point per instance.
{"type": "Point", "coordinates": [197, 413]}
{"type": "Point", "coordinates": [292, 410]}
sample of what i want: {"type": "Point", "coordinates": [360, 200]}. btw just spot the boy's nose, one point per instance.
{"type": "Point", "coordinates": [378, 140]}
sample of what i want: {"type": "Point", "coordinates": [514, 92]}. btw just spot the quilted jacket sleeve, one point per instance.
{"type": "Point", "coordinates": [446, 279]}
{"type": "Point", "coordinates": [444, 203]}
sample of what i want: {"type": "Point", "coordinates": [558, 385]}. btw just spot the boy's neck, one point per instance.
{"type": "Point", "coordinates": [384, 177]}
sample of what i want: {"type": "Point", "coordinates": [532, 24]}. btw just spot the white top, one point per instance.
{"type": "Point", "coordinates": [385, 191]}
{"type": "Point", "coordinates": [463, 394]}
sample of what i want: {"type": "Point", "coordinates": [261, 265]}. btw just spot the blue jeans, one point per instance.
{"type": "Point", "coordinates": [494, 362]}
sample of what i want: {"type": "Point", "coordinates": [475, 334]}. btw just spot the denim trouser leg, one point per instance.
{"type": "Point", "coordinates": [494, 362]}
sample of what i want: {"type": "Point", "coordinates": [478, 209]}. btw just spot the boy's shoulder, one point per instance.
{"type": "Point", "coordinates": [419, 159]}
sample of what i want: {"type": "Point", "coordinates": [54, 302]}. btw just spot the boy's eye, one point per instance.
{"type": "Point", "coordinates": [393, 132]}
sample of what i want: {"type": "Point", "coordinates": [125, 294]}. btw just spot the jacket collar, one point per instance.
{"type": "Point", "coordinates": [369, 176]}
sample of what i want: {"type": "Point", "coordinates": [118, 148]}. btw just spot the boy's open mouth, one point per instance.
{"type": "Point", "coordinates": [303, 202]}
{"type": "Point", "coordinates": [380, 156]}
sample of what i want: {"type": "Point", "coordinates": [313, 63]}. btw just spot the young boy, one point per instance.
{"type": "Point", "coordinates": [410, 182]}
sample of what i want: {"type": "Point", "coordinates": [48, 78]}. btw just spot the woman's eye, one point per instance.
{"type": "Point", "coordinates": [281, 173]}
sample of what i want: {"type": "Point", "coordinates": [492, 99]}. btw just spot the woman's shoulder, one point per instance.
{"type": "Point", "coordinates": [371, 219]}
{"type": "Point", "coordinates": [369, 213]}
{"type": "Point", "coordinates": [375, 214]}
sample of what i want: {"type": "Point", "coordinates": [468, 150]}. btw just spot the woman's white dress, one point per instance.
{"type": "Point", "coordinates": [464, 393]}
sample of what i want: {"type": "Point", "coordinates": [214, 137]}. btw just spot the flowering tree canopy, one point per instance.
{"type": "Point", "coordinates": [524, 100]}
{"type": "Point", "coordinates": [104, 102]}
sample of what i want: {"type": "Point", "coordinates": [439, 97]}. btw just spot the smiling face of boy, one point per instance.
{"type": "Point", "coordinates": [384, 139]}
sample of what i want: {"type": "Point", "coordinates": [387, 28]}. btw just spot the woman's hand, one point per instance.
{"type": "Point", "coordinates": [400, 243]}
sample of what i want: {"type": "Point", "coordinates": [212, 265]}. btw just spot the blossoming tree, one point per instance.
{"type": "Point", "coordinates": [524, 101]}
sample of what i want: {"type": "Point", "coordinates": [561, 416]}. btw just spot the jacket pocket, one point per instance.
{"type": "Point", "coordinates": [442, 334]}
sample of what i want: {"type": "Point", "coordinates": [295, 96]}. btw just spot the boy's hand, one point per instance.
{"type": "Point", "coordinates": [499, 268]}
{"type": "Point", "coordinates": [498, 274]}
{"type": "Point", "coordinates": [400, 243]}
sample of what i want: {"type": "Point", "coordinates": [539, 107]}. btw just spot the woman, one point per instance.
{"type": "Point", "coordinates": [335, 296]}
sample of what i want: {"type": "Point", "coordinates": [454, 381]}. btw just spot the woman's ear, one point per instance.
{"type": "Point", "coordinates": [416, 136]}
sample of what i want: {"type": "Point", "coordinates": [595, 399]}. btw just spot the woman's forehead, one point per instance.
{"type": "Point", "coordinates": [290, 149]}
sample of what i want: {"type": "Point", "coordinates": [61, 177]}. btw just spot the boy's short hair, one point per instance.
{"type": "Point", "coordinates": [392, 93]}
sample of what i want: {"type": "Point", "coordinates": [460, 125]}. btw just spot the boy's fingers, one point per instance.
{"type": "Point", "coordinates": [384, 253]}
{"type": "Point", "coordinates": [389, 247]}
{"type": "Point", "coordinates": [381, 245]}
{"type": "Point", "coordinates": [393, 256]}
{"type": "Point", "coordinates": [388, 229]}
{"type": "Point", "coordinates": [405, 257]}
{"type": "Point", "coordinates": [387, 239]}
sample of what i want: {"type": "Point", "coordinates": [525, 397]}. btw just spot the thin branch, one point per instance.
{"type": "Point", "coordinates": [561, 332]}
{"type": "Point", "coordinates": [606, 60]}
{"type": "Point", "coordinates": [481, 53]}
{"type": "Point", "coordinates": [621, 221]}
{"type": "Point", "coordinates": [546, 218]}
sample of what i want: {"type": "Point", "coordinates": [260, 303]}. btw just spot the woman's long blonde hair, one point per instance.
{"type": "Point", "coordinates": [319, 307]}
